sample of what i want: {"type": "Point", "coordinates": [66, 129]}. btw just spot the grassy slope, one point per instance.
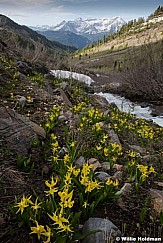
{"type": "Point", "coordinates": [137, 219]}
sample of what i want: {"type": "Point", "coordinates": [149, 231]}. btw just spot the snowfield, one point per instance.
{"type": "Point", "coordinates": [72, 75]}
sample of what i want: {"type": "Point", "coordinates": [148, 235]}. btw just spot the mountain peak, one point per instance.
{"type": "Point", "coordinates": [90, 25]}
{"type": "Point", "coordinates": [78, 19]}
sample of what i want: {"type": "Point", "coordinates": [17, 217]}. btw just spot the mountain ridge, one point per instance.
{"type": "Point", "coordinates": [87, 26]}
{"type": "Point", "coordinates": [66, 38]}
{"type": "Point", "coordinates": [93, 29]}
{"type": "Point", "coordinates": [28, 42]}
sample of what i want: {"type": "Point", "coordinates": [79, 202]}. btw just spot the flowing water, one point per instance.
{"type": "Point", "coordinates": [122, 103]}
{"type": "Point", "coordinates": [133, 108]}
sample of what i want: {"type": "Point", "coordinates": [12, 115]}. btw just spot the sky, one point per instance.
{"type": "Point", "coordinates": [52, 12]}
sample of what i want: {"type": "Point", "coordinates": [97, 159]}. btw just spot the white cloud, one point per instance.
{"type": "Point", "coordinates": [26, 1]}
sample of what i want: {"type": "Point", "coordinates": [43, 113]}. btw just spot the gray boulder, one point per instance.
{"type": "Point", "coordinates": [102, 176]}
{"type": "Point", "coordinates": [108, 231]}
{"type": "Point", "coordinates": [114, 137]}
{"type": "Point", "coordinates": [80, 162]}
{"type": "Point", "coordinates": [17, 131]}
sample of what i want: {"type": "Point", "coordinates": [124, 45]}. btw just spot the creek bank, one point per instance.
{"type": "Point", "coordinates": [140, 110]}
{"type": "Point", "coordinates": [133, 108]}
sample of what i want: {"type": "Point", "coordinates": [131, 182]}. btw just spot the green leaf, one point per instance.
{"type": "Point", "coordinates": [80, 237]}
{"type": "Point", "coordinates": [100, 198]}
{"type": "Point", "coordinates": [79, 185]}
{"type": "Point", "coordinates": [32, 168]}
{"type": "Point", "coordinates": [61, 239]}
{"type": "Point", "coordinates": [143, 213]}
{"type": "Point", "coordinates": [118, 193]}
{"type": "Point", "coordinates": [161, 217]}
{"type": "Point", "coordinates": [75, 219]}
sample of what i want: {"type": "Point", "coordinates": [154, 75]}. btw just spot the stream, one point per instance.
{"type": "Point", "coordinates": [122, 103]}
{"type": "Point", "coordinates": [132, 107]}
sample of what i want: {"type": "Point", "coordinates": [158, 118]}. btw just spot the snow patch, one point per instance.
{"type": "Point", "coordinates": [72, 75]}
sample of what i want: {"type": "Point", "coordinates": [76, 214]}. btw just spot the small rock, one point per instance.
{"type": "Point", "coordinates": [159, 183]}
{"type": "Point", "coordinates": [45, 169]}
{"type": "Point", "coordinates": [38, 129]}
{"type": "Point", "coordinates": [108, 111]}
{"type": "Point", "coordinates": [105, 165]}
{"type": "Point", "coordinates": [49, 76]}
{"type": "Point", "coordinates": [95, 163]}
{"type": "Point", "coordinates": [56, 91]}
{"type": "Point", "coordinates": [63, 151]}
{"type": "Point", "coordinates": [121, 203]}
{"type": "Point", "coordinates": [138, 149]}
{"type": "Point", "coordinates": [100, 100]}
{"type": "Point", "coordinates": [2, 221]}
{"type": "Point", "coordinates": [107, 231]}
{"type": "Point", "coordinates": [146, 158]}
{"type": "Point", "coordinates": [80, 162]}
{"type": "Point", "coordinates": [62, 118]}
{"type": "Point", "coordinates": [126, 189]}
{"type": "Point", "coordinates": [68, 114]}
{"type": "Point", "coordinates": [114, 137]}
{"type": "Point", "coordinates": [48, 88]}
{"type": "Point", "coordinates": [66, 99]}
{"type": "Point", "coordinates": [21, 64]}
{"type": "Point", "coordinates": [157, 200]}
{"type": "Point", "coordinates": [114, 85]}
{"type": "Point", "coordinates": [102, 176]}
{"type": "Point", "coordinates": [118, 167]}
{"type": "Point", "coordinates": [22, 101]}
{"type": "Point", "coordinates": [65, 86]}
{"type": "Point", "coordinates": [118, 175]}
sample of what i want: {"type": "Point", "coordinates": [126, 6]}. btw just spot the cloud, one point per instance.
{"type": "Point", "coordinates": [25, 3]}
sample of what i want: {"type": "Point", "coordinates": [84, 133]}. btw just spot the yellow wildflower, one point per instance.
{"type": "Point", "coordinates": [47, 125]}
{"type": "Point", "coordinates": [66, 158]}
{"type": "Point", "coordinates": [23, 204]}
{"type": "Point", "coordinates": [85, 204]}
{"type": "Point", "coordinates": [48, 234]}
{"type": "Point", "coordinates": [68, 178]}
{"type": "Point", "coordinates": [65, 228]}
{"type": "Point", "coordinates": [53, 137]}
{"type": "Point", "coordinates": [66, 198]}
{"type": "Point", "coordinates": [72, 144]}
{"type": "Point", "coordinates": [152, 170]}
{"type": "Point", "coordinates": [91, 185]}
{"type": "Point", "coordinates": [98, 147]}
{"type": "Point", "coordinates": [86, 169]}
{"type": "Point", "coordinates": [116, 182]}
{"type": "Point", "coordinates": [106, 152]}
{"type": "Point", "coordinates": [52, 184]}
{"type": "Point", "coordinates": [132, 154]}
{"type": "Point", "coordinates": [61, 222]}
{"type": "Point", "coordinates": [39, 230]}
{"type": "Point", "coordinates": [109, 182]}
{"type": "Point", "coordinates": [84, 180]}
{"type": "Point", "coordinates": [29, 99]}
{"type": "Point", "coordinates": [76, 172]}
{"type": "Point", "coordinates": [36, 206]}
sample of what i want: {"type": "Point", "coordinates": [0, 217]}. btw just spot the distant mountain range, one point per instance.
{"type": "Point", "coordinates": [92, 29]}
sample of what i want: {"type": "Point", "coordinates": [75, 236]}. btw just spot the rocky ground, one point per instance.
{"type": "Point", "coordinates": [48, 125]}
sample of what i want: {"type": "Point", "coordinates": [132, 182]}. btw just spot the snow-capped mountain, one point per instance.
{"type": "Point", "coordinates": [88, 26]}
{"type": "Point", "coordinates": [90, 30]}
